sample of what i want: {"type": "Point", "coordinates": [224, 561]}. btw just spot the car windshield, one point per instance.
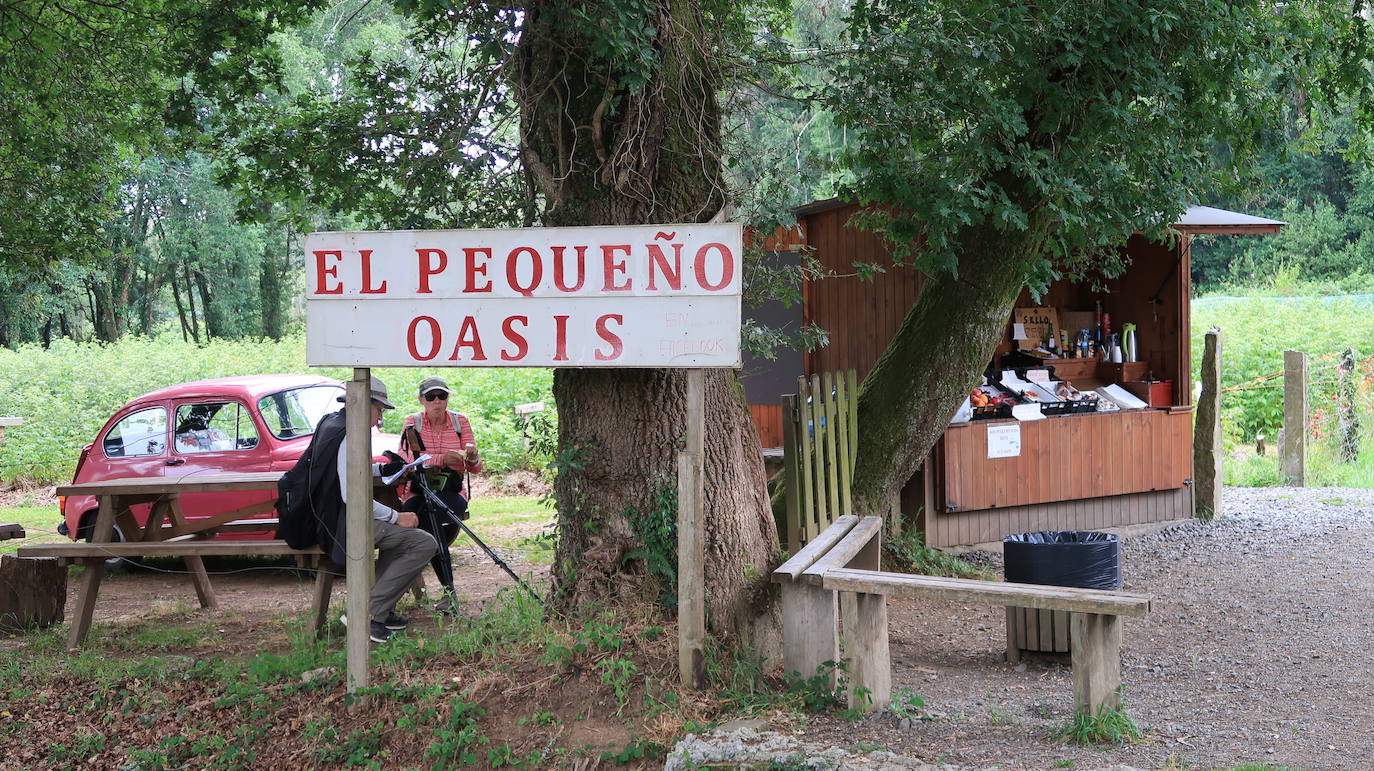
{"type": "Point", "coordinates": [296, 412]}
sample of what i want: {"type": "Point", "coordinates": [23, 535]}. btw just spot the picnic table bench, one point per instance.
{"type": "Point", "coordinates": [168, 532]}
{"type": "Point", "coordinates": [843, 561]}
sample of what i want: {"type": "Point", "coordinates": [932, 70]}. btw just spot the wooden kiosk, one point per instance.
{"type": "Point", "coordinates": [1073, 472]}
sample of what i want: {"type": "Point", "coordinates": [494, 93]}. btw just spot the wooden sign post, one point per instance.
{"type": "Point", "coordinates": [691, 578]}
{"type": "Point", "coordinates": [358, 543]}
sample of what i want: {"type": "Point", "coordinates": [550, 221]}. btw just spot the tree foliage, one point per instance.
{"type": "Point", "coordinates": [86, 85]}
{"type": "Point", "coordinates": [1099, 119]}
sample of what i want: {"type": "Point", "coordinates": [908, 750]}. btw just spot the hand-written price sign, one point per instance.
{"type": "Point", "coordinates": [627, 296]}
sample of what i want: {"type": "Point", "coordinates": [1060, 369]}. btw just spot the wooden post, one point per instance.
{"type": "Point", "coordinates": [1294, 454]}
{"type": "Point", "coordinates": [810, 637]}
{"type": "Point", "coordinates": [819, 429]}
{"type": "Point", "coordinates": [1095, 651]}
{"type": "Point", "coordinates": [791, 448]}
{"type": "Point", "coordinates": [359, 518]}
{"type": "Point", "coordinates": [691, 577]}
{"type": "Point", "coordinates": [867, 659]}
{"type": "Point", "coordinates": [1207, 452]}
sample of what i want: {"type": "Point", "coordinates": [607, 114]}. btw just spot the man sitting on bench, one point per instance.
{"type": "Point", "coordinates": [403, 550]}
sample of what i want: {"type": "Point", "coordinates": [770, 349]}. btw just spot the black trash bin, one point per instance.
{"type": "Point", "coordinates": [1083, 559]}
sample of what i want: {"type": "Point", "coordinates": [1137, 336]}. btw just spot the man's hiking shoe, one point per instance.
{"type": "Point", "coordinates": [395, 623]}
{"type": "Point", "coordinates": [377, 631]}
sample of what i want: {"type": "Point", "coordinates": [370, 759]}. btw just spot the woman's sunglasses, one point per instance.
{"type": "Point", "coordinates": [435, 396]}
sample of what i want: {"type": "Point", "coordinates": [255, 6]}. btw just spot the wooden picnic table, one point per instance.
{"type": "Point", "coordinates": [116, 496]}
{"type": "Point", "coordinates": [169, 532]}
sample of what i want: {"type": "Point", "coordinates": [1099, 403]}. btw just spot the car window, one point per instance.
{"type": "Point", "coordinates": [214, 427]}
{"type": "Point", "coordinates": [142, 433]}
{"type": "Point", "coordinates": [293, 413]}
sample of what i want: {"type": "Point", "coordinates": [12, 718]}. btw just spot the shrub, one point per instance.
{"type": "Point", "coordinates": [66, 393]}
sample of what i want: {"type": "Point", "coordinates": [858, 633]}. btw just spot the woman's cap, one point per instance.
{"type": "Point", "coordinates": [433, 384]}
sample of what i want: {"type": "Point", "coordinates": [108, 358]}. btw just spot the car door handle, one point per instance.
{"type": "Point", "coordinates": [176, 461]}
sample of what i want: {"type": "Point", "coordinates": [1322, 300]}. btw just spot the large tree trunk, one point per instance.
{"type": "Point", "coordinates": [602, 151]}
{"type": "Point", "coordinates": [943, 345]}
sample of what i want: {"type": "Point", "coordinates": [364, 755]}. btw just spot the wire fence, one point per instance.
{"type": "Point", "coordinates": [1340, 398]}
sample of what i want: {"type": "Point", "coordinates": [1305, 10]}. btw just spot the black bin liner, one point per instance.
{"type": "Point", "coordinates": [1063, 558]}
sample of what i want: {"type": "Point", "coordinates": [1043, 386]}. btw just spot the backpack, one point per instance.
{"type": "Point", "coordinates": [295, 515]}
{"type": "Point", "coordinates": [300, 518]}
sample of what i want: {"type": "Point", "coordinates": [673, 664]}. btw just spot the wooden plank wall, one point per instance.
{"type": "Point", "coordinates": [988, 525]}
{"type": "Point", "coordinates": [861, 317]}
{"type": "Point", "coordinates": [1068, 457]}
{"type": "Point", "coordinates": [768, 420]}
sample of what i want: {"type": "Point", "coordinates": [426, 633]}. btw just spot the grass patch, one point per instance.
{"type": "Point", "coordinates": [906, 552]}
{"type": "Point", "coordinates": [509, 510]}
{"type": "Point", "coordinates": [39, 523]}
{"type": "Point", "coordinates": [1110, 726]}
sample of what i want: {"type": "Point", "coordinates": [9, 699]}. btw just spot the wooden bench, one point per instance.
{"type": "Point", "coordinates": [93, 555]}
{"type": "Point", "coordinates": [847, 565]}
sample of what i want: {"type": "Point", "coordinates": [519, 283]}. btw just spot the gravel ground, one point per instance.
{"type": "Point", "coordinates": [1258, 653]}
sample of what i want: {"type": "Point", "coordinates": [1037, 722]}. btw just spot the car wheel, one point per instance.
{"type": "Point", "coordinates": [88, 528]}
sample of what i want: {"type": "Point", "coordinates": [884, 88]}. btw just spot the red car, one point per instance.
{"type": "Point", "coordinates": [239, 424]}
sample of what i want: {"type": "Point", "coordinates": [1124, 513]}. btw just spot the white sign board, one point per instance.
{"type": "Point", "coordinates": [1004, 441]}
{"type": "Point", "coordinates": [529, 408]}
{"type": "Point", "coordinates": [625, 296]}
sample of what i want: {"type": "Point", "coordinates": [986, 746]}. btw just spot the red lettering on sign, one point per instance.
{"type": "Point", "coordinates": [471, 253]}
{"type": "Point", "coordinates": [513, 276]}
{"type": "Point", "coordinates": [659, 261]}
{"type": "Point", "coordinates": [617, 346]}
{"type": "Point", "coordinates": [612, 267]}
{"type": "Point", "coordinates": [558, 280]}
{"type": "Point", "coordinates": [366, 255]}
{"type": "Point", "coordinates": [332, 271]}
{"type": "Point", "coordinates": [522, 346]}
{"type": "Point", "coordinates": [434, 338]}
{"type": "Point", "coordinates": [560, 338]}
{"type": "Point", "coordinates": [468, 338]}
{"type": "Point", "coordinates": [430, 268]}
{"type": "Point", "coordinates": [727, 261]}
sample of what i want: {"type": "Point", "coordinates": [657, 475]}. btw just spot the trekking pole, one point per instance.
{"type": "Point", "coordinates": [439, 505]}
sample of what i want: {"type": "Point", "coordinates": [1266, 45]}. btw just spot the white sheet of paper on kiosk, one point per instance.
{"type": "Point", "coordinates": [1121, 397]}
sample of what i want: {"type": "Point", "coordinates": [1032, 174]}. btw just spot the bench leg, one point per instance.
{"type": "Point", "coordinates": [866, 655]}
{"type": "Point", "coordinates": [204, 591]}
{"type": "Point", "coordinates": [1013, 636]}
{"type": "Point", "coordinates": [1095, 642]}
{"type": "Point", "coordinates": [324, 588]}
{"type": "Point", "coordinates": [85, 602]}
{"type": "Point", "coordinates": [809, 638]}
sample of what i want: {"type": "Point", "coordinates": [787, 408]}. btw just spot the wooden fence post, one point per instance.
{"type": "Point", "coordinates": [1207, 452]}
{"type": "Point", "coordinates": [1294, 454]}
{"type": "Point", "coordinates": [1348, 418]}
